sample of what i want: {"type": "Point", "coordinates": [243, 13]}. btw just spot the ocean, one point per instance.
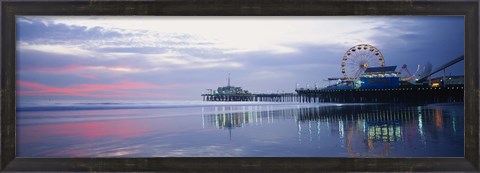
{"type": "Point", "coordinates": [238, 129]}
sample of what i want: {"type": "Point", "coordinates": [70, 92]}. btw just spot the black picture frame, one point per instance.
{"type": "Point", "coordinates": [467, 8]}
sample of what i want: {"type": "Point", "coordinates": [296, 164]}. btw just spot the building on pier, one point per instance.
{"type": "Point", "coordinates": [228, 93]}
{"type": "Point", "coordinates": [379, 77]}
{"type": "Point", "coordinates": [373, 77]}
{"type": "Point", "coordinates": [232, 93]}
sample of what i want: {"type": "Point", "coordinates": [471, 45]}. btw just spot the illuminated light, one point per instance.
{"type": "Point", "coordinates": [420, 126]}
{"type": "Point", "coordinates": [438, 119]}
{"type": "Point", "coordinates": [340, 128]}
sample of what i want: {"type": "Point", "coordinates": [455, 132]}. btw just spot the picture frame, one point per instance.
{"type": "Point", "coordinates": [9, 9]}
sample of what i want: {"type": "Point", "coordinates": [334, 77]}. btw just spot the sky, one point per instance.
{"type": "Point", "coordinates": [178, 58]}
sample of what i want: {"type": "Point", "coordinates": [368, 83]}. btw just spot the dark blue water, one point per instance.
{"type": "Point", "coordinates": [240, 130]}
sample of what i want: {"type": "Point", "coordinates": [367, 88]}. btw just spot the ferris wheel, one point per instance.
{"type": "Point", "coordinates": [358, 58]}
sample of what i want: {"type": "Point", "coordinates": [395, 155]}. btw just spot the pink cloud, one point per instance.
{"type": "Point", "coordinates": [75, 68]}
{"type": "Point", "coordinates": [32, 85]}
{"type": "Point", "coordinates": [122, 89]}
{"type": "Point", "coordinates": [88, 76]}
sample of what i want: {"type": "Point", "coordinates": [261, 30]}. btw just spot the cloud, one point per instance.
{"type": "Point", "coordinates": [267, 75]}
{"type": "Point", "coordinates": [79, 69]}
{"type": "Point", "coordinates": [117, 90]}
{"type": "Point", "coordinates": [56, 49]}
{"type": "Point", "coordinates": [88, 76]}
{"type": "Point", "coordinates": [232, 34]}
{"type": "Point", "coordinates": [176, 60]}
{"type": "Point", "coordinates": [32, 29]}
{"type": "Point", "coordinates": [261, 53]}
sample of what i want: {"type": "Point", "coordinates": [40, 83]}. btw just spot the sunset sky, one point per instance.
{"type": "Point", "coordinates": [177, 58]}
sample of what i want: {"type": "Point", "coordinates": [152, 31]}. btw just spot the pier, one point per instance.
{"type": "Point", "coordinates": [267, 97]}
{"type": "Point", "coordinates": [411, 94]}
{"type": "Point", "coordinates": [406, 94]}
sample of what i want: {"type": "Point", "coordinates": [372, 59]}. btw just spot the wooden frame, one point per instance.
{"type": "Point", "coordinates": [469, 9]}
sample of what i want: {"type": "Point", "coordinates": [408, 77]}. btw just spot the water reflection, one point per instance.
{"type": "Point", "coordinates": [373, 128]}
{"type": "Point", "coordinates": [294, 130]}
